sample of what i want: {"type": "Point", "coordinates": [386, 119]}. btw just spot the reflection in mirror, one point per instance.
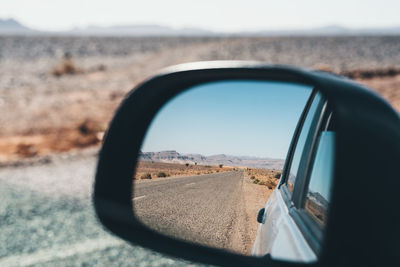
{"type": "Point", "coordinates": [319, 188]}
{"type": "Point", "coordinates": [213, 156]}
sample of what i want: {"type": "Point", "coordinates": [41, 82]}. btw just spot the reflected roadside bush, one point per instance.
{"type": "Point", "coordinates": [145, 176]}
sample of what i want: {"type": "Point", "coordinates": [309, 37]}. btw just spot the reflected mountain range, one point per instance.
{"type": "Point", "coordinates": [318, 198]}
{"type": "Point", "coordinates": [172, 156]}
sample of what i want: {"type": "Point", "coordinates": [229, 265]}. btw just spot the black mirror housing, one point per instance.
{"type": "Point", "coordinates": [365, 175]}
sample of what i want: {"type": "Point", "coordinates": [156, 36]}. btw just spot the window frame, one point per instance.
{"type": "Point", "coordinates": [310, 222]}
{"type": "Point", "coordinates": [293, 144]}
{"type": "Point", "coordinates": [295, 200]}
{"type": "Point", "coordinates": [310, 229]}
{"type": "Point", "coordinates": [308, 156]}
{"type": "Point", "coordinates": [288, 195]}
{"type": "Point", "coordinates": [283, 186]}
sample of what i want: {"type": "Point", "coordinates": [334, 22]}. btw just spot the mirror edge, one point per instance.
{"type": "Point", "coordinates": [111, 164]}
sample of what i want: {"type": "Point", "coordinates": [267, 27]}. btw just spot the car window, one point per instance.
{"type": "Point", "coordinates": [301, 144]}
{"type": "Point", "coordinates": [319, 189]}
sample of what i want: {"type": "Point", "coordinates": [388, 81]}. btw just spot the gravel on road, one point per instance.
{"type": "Point", "coordinates": [204, 209]}
{"type": "Point", "coordinates": [47, 219]}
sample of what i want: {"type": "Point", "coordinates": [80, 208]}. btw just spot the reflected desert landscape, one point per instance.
{"type": "Point", "coordinates": [211, 205]}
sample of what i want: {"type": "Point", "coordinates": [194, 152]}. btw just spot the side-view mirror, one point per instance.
{"type": "Point", "coordinates": [247, 164]}
{"type": "Point", "coordinates": [260, 215]}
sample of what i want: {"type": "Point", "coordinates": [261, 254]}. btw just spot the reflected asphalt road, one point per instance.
{"type": "Point", "coordinates": [206, 209]}
{"type": "Point", "coordinates": [47, 219]}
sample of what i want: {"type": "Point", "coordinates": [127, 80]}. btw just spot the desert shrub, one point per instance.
{"type": "Point", "coordinates": [67, 67]}
{"type": "Point", "coordinates": [262, 183]}
{"type": "Point", "coordinates": [252, 177]}
{"type": "Point", "coordinates": [187, 164]}
{"type": "Point", "coordinates": [207, 166]}
{"type": "Point", "coordinates": [278, 175]}
{"type": "Point", "coordinates": [270, 184]}
{"type": "Point", "coordinates": [161, 174]}
{"type": "Point", "coordinates": [145, 176]}
{"type": "Point", "coordinates": [220, 165]}
{"type": "Point", "coordinates": [27, 150]}
{"type": "Point", "coordinates": [217, 170]}
{"type": "Point", "coordinates": [256, 181]}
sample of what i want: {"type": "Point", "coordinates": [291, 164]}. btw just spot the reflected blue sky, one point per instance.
{"type": "Point", "coordinates": [322, 172]}
{"type": "Point", "coordinates": [245, 118]}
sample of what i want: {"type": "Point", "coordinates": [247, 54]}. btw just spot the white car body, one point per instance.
{"type": "Point", "coordinates": [292, 224]}
{"type": "Point", "coordinates": [279, 235]}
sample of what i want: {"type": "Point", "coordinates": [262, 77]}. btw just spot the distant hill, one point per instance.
{"type": "Point", "coordinates": [157, 30]}
{"type": "Point", "coordinates": [11, 26]}
{"type": "Point", "coordinates": [171, 156]}
{"type": "Point", "coordinates": [318, 199]}
{"type": "Point", "coordinates": [330, 30]}
{"type": "Point", "coordinates": [140, 30]}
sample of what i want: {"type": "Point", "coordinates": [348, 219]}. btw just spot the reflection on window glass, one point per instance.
{"type": "Point", "coordinates": [301, 142]}
{"type": "Point", "coordinates": [319, 189]}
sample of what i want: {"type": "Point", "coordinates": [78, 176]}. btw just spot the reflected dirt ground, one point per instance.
{"type": "Point", "coordinates": [217, 210]}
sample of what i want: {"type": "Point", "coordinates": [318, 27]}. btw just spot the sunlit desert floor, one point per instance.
{"type": "Point", "coordinates": [49, 104]}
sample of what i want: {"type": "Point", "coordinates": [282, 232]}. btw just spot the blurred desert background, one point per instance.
{"type": "Point", "coordinates": [58, 93]}
{"type": "Point", "coordinates": [66, 65]}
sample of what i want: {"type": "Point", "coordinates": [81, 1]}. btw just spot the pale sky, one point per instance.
{"type": "Point", "coordinates": [217, 15]}
{"type": "Point", "coordinates": [242, 118]}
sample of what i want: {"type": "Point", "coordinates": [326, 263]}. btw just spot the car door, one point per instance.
{"type": "Point", "coordinates": [282, 233]}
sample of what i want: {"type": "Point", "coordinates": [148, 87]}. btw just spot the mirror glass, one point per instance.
{"type": "Point", "coordinates": [213, 156]}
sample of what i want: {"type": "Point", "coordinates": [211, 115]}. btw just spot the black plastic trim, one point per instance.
{"type": "Point", "coordinates": [311, 232]}
{"type": "Point", "coordinates": [307, 225]}
{"type": "Point", "coordinates": [293, 143]}
{"type": "Point", "coordinates": [298, 191]}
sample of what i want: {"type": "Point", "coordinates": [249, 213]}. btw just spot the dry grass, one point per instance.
{"type": "Point", "coordinates": [84, 134]}
{"type": "Point", "coordinates": [44, 100]}
{"type": "Point", "coordinates": [372, 73]}
{"type": "Point", "coordinates": [67, 67]}
{"type": "Point", "coordinates": [149, 170]}
{"type": "Point", "coordinates": [269, 178]}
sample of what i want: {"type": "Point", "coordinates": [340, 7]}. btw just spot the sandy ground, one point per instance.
{"type": "Point", "coordinates": [255, 198]}
{"type": "Point", "coordinates": [218, 209]}
{"type": "Point", "coordinates": [47, 218]}
{"type": "Point", "coordinates": [44, 113]}
{"type": "Point", "coordinates": [161, 170]}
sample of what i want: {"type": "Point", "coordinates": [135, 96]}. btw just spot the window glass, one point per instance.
{"type": "Point", "coordinates": [301, 142]}
{"type": "Point", "coordinates": [318, 196]}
